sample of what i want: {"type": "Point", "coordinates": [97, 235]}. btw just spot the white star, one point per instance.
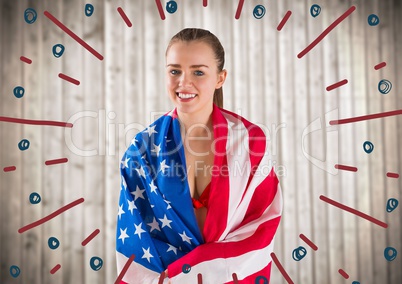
{"type": "Point", "coordinates": [138, 193]}
{"type": "Point", "coordinates": [156, 149]}
{"type": "Point", "coordinates": [165, 222]}
{"type": "Point", "coordinates": [151, 130]}
{"type": "Point", "coordinates": [131, 206]}
{"type": "Point", "coordinates": [141, 172]}
{"type": "Point", "coordinates": [125, 163]}
{"type": "Point", "coordinates": [138, 230]}
{"type": "Point", "coordinates": [147, 254]}
{"type": "Point", "coordinates": [144, 157]}
{"type": "Point", "coordinates": [172, 248]}
{"type": "Point", "coordinates": [154, 225]}
{"type": "Point", "coordinates": [163, 166]}
{"type": "Point", "coordinates": [168, 203]}
{"type": "Point", "coordinates": [153, 187]}
{"type": "Point", "coordinates": [185, 238]}
{"type": "Point", "coordinates": [121, 211]}
{"type": "Point", "coordinates": [134, 141]}
{"type": "Point", "coordinates": [123, 183]}
{"type": "Point", "coordinates": [123, 235]}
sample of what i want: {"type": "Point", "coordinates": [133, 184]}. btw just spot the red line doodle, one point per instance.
{"type": "Point", "coordinates": [235, 280]}
{"type": "Point", "coordinates": [345, 168]}
{"type": "Point", "coordinates": [337, 85]}
{"type": "Point", "coordinates": [205, 3]}
{"type": "Point", "coordinates": [35, 122]}
{"type": "Point", "coordinates": [73, 35]}
{"type": "Point", "coordinates": [161, 277]}
{"type": "Point", "coordinates": [56, 161]}
{"type": "Point", "coordinates": [69, 79]}
{"type": "Point", "coordinates": [124, 16]}
{"type": "Point", "coordinates": [308, 241]}
{"type": "Point", "coordinates": [51, 216]}
{"type": "Point", "coordinates": [343, 273]}
{"type": "Point", "coordinates": [392, 175]}
{"type": "Point", "coordinates": [353, 211]}
{"type": "Point", "coordinates": [239, 8]}
{"type": "Point", "coordinates": [281, 269]}
{"type": "Point", "coordinates": [25, 59]}
{"type": "Point", "coordinates": [366, 117]}
{"type": "Point", "coordinates": [326, 31]}
{"type": "Point", "coordinates": [160, 9]}
{"type": "Point", "coordinates": [54, 269]}
{"type": "Point", "coordinates": [125, 268]}
{"type": "Point", "coordinates": [284, 20]}
{"type": "Point", "coordinates": [380, 65]}
{"type": "Point", "coordinates": [199, 278]}
{"type": "Point", "coordinates": [90, 237]}
{"type": "Point", "coordinates": [9, 169]}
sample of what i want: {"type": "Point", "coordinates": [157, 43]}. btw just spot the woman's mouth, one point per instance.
{"type": "Point", "coordinates": [186, 97]}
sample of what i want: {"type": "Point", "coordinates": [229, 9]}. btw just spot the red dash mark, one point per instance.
{"type": "Point", "coordinates": [35, 122]}
{"type": "Point", "coordinates": [160, 9]}
{"type": "Point", "coordinates": [124, 16]}
{"type": "Point", "coordinates": [25, 59]}
{"type": "Point", "coordinates": [69, 79]}
{"type": "Point", "coordinates": [125, 268]}
{"type": "Point", "coordinates": [51, 216]}
{"type": "Point", "coordinates": [284, 20]}
{"type": "Point", "coordinates": [56, 161]}
{"type": "Point", "coordinates": [239, 8]}
{"type": "Point", "coordinates": [281, 269]}
{"type": "Point", "coordinates": [345, 168]}
{"type": "Point", "coordinates": [199, 278]}
{"type": "Point", "coordinates": [308, 241]}
{"type": "Point", "coordinates": [353, 211]}
{"type": "Point", "coordinates": [326, 31]}
{"type": "Point", "coordinates": [337, 85]}
{"type": "Point", "coordinates": [392, 175]}
{"type": "Point", "coordinates": [9, 169]}
{"type": "Point", "coordinates": [73, 35]}
{"type": "Point", "coordinates": [366, 117]}
{"type": "Point", "coordinates": [90, 237]}
{"type": "Point", "coordinates": [235, 280]}
{"type": "Point", "coordinates": [162, 277]}
{"type": "Point", "coordinates": [343, 273]}
{"type": "Point", "coordinates": [380, 65]}
{"type": "Point", "coordinates": [54, 269]}
{"type": "Point", "coordinates": [205, 3]}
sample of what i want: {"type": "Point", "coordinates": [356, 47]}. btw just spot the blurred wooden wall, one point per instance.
{"type": "Point", "coordinates": [267, 84]}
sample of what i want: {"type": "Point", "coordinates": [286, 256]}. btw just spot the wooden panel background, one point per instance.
{"type": "Point", "coordinates": [267, 84]}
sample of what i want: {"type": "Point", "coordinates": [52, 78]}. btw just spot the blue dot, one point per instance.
{"type": "Point", "coordinates": [171, 7]}
{"type": "Point", "coordinates": [30, 15]}
{"type": "Point", "coordinates": [264, 280]}
{"type": "Point", "coordinates": [19, 92]}
{"type": "Point", "coordinates": [390, 253]}
{"type": "Point", "coordinates": [23, 145]}
{"type": "Point", "coordinates": [392, 203]}
{"type": "Point", "coordinates": [368, 147]}
{"type": "Point", "coordinates": [259, 11]}
{"type": "Point", "coordinates": [58, 50]}
{"type": "Point", "coordinates": [53, 243]}
{"type": "Point", "coordinates": [384, 86]}
{"type": "Point", "coordinates": [186, 268]}
{"type": "Point", "coordinates": [315, 10]}
{"type": "Point", "coordinates": [34, 198]}
{"type": "Point", "coordinates": [89, 10]}
{"type": "Point", "coordinates": [373, 20]}
{"type": "Point", "coordinates": [96, 263]}
{"type": "Point", "coordinates": [355, 282]}
{"type": "Point", "coordinates": [15, 271]}
{"type": "Point", "coordinates": [299, 253]}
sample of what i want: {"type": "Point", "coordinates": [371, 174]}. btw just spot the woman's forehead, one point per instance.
{"type": "Point", "coordinates": [192, 51]}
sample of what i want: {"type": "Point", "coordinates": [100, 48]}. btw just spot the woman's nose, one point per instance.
{"type": "Point", "coordinates": [185, 80]}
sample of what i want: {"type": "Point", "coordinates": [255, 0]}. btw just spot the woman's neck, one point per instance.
{"type": "Point", "coordinates": [196, 124]}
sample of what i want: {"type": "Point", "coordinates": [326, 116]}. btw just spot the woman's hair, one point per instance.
{"type": "Point", "coordinates": [195, 34]}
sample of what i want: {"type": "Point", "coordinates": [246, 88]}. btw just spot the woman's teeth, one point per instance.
{"type": "Point", "coordinates": [186, 96]}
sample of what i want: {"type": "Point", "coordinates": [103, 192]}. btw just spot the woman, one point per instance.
{"type": "Point", "coordinates": [196, 198]}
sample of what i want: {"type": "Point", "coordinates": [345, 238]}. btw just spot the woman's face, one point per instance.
{"type": "Point", "coordinates": [192, 76]}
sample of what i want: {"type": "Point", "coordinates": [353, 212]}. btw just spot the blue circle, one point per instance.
{"type": "Point", "coordinates": [264, 279]}
{"type": "Point", "coordinates": [373, 20]}
{"type": "Point", "coordinates": [19, 92]}
{"type": "Point", "coordinates": [259, 11]}
{"type": "Point", "coordinates": [30, 15]}
{"type": "Point", "coordinates": [53, 243]}
{"type": "Point", "coordinates": [171, 6]}
{"type": "Point", "coordinates": [34, 198]}
{"type": "Point", "coordinates": [355, 282]}
{"type": "Point", "coordinates": [299, 253]}
{"type": "Point", "coordinates": [89, 10]}
{"type": "Point", "coordinates": [56, 53]}
{"type": "Point", "coordinates": [15, 271]}
{"type": "Point", "coordinates": [388, 256]}
{"type": "Point", "coordinates": [392, 203]}
{"type": "Point", "coordinates": [384, 86]}
{"type": "Point", "coordinates": [186, 268]}
{"type": "Point", "coordinates": [23, 145]}
{"type": "Point", "coordinates": [96, 263]}
{"type": "Point", "coordinates": [315, 10]}
{"type": "Point", "coordinates": [368, 147]}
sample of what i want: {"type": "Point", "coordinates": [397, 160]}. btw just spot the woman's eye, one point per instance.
{"type": "Point", "coordinates": [174, 72]}
{"type": "Point", "coordinates": [199, 73]}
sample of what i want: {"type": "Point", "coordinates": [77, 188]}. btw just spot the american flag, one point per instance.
{"type": "Point", "coordinates": [156, 220]}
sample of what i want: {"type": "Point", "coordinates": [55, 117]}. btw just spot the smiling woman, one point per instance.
{"type": "Point", "coordinates": [184, 219]}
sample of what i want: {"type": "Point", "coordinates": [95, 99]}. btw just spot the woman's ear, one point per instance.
{"type": "Point", "coordinates": [221, 78]}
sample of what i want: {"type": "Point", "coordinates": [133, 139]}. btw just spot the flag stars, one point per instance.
{"type": "Point", "coordinates": [163, 166]}
{"type": "Point", "coordinates": [141, 172]}
{"type": "Point", "coordinates": [138, 193]}
{"type": "Point", "coordinates": [151, 130]}
{"type": "Point", "coordinates": [154, 225]}
{"type": "Point", "coordinates": [153, 187]}
{"type": "Point", "coordinates": [168, 204]}
{"type": "Point", "coordinates": [156, 149]}
{"type": "Point", "coordinates": [147, 254]}
{"type": "Point", "coordinates": [123, 235]}
{"type": "Point", "coordinates": [172, 248]}
{"type": "Point", "coordinates": [131, 206]}
{"type": "Point", "coordinates": [134, 141]}
{"type": "Point", "coordinates": [123, 183]}
{"type": "Point", "coordinates": [138, 230]}
{"type": "Point", "coordinates": [125, 163]}
{"type": "Point", "coordinates": [121, 211]}
{"type": "Point", "coordinates": [165, 222]}
{"type": "Point", "coordinates": [185, 238]}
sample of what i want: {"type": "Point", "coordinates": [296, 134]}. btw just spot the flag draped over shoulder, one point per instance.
{"type": "Point", "coordinates": [156, 220]}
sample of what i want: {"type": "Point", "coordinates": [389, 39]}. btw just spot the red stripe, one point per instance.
{"type": "Point", "coordinates": [392, 175]}
{"type": "Point", "coordinates": [265, 272]}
